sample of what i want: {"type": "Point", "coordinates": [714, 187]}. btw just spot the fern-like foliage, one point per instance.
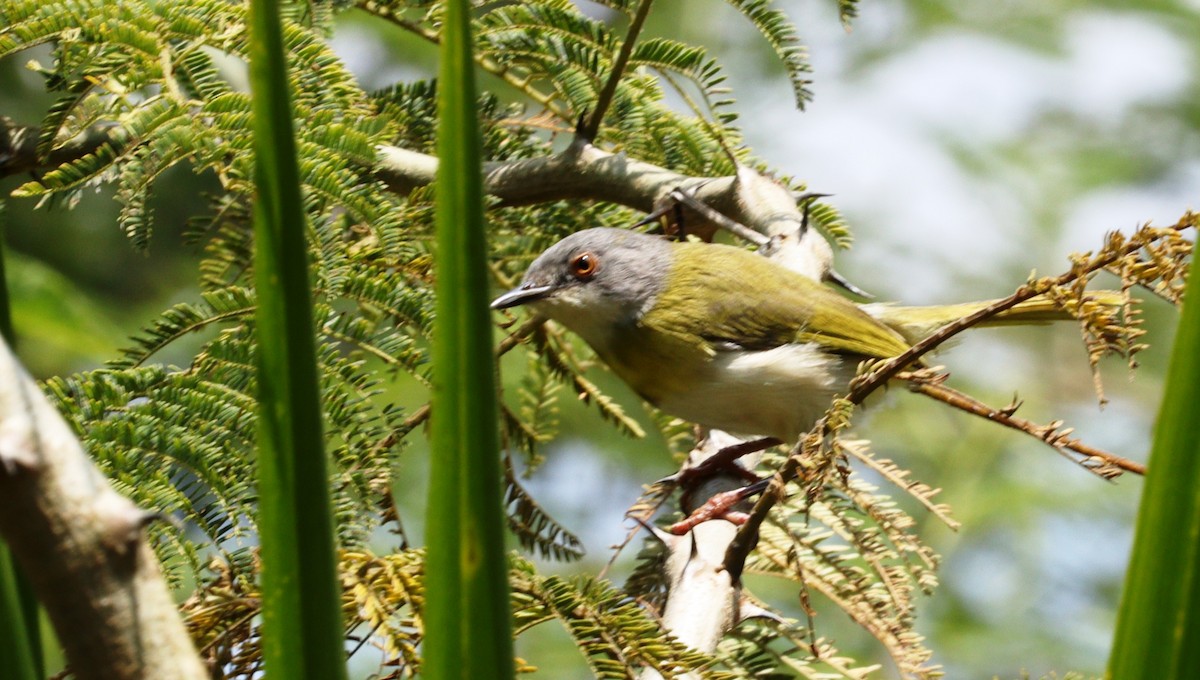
{"type": "Point", "coordinates": [559, 57]}
{"type": "Point", "coordinates": [776, 649]}
{"type": "Point", "coordinates": [780, 33]}
{"type": "Point", "coordinates": [384, 596]}
{"type": "Point", "coordinates": [534, 528]}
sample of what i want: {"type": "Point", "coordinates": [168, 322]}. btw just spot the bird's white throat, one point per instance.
{"type": "Point", "coordinates": [592, 317]}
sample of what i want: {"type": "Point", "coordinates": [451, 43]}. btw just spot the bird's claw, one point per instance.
{"type": "Point", "coordinates": [720, 506]}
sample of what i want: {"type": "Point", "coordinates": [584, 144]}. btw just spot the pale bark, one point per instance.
{"type": "Point", "coordinates": [82, 546]}
{"type": "Point", "coordinates": [585, 172]}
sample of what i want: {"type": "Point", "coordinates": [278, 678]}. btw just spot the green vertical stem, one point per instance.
{"type": "Point", "coordinates": [1158, 627]}
{"type": "Point", "coordinates": [20, 633]}
{"type": "Point", "coordinates": [302, 626]}
{"type": "Point", "coordinates": [467, 616]}
{"type": "Point", "coordinates": [18, 655]}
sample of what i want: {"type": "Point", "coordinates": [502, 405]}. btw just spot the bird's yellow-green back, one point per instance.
{"type": "Point", "coordinates": [720, 296]}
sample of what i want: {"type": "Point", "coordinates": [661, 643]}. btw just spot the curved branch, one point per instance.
{"type": "Point", "coordinates": [580, 172]}
{"type": "Point", "coordinates": [18, 147]}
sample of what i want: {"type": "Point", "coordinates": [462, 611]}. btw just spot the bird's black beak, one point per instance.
{"type": "Point", "coordinates": [519, 296]}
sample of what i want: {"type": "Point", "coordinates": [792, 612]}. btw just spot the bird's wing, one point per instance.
{"type": "Point", "coordinates": [729, 298]}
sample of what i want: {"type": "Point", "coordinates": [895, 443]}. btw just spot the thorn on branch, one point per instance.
{"type": "Point", "coordinates": [641, 511]}
{"type": "Point", "coordinates": [1011, 408]}
{"type": "Point", "coordinates": [805, 202]}
{"type": "Point", "coordinates": [688, 197]}
{"type": "Point", "coordinates": [581, 129]}
{"type": "Point", "coordinates": [749, 609]}
{"type": "Point", "coordinates": [663, 537]}
{"type": "Point", "coordinates": [13, 465]}
{"type": "Point", "coordinates": [832, 276]}
{"type": "Point", "coordinates": [122, 523]}
{"type": "Point", "coordinates": [655, 214]}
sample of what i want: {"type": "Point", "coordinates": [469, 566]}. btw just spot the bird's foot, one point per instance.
{"type": "Point", "coordinates": [719, 506]}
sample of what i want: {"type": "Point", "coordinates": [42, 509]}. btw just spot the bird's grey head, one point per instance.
{"type": "Point", "coordinates": [594, 279]}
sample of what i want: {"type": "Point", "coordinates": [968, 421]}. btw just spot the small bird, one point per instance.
{"type": "Point", "coordinates": [712, 334]}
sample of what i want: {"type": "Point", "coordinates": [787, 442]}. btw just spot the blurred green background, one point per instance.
{"type": "Point", "coordinates": [968, 143]}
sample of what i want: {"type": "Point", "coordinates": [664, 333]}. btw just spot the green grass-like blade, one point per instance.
{"type": "Point", "coordinates": [302, 625]}
{"type": "Point", "coordinates": [1158, 628]}
{"type": "Point", "coordinates": [17, 650]}
{"type": "Point", "coordinates": [20, 634]}
{"type": "Point", "coordinates": [467, 618]}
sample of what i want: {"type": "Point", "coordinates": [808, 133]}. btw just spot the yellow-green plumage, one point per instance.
{"type": "Point", "coordinates": [720, 294]}
{"type": "Point", "coordinates": [720, 336]}
{"type": "Point", "coordinates": [738, 343]}
{"type": "Point", "coordinates": [713, 334]}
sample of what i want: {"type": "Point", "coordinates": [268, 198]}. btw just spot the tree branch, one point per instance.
{"type": "Point", "coordinates": [585, 172]}
{"type": "Point", "coordinates": [580, 172]}
{"type": "Point", "coordinates": [605, 98]}
{"type": "Point", "coordinates": [18, 147]}
{"type": "Point", "coordinates": [702, 598]}
{"type": "Point", "coordinates": [1102, 463]}
{"type": "Point", "coordinates": [702, 604]}
{"type": "Point", "coordinates": [81, 544]}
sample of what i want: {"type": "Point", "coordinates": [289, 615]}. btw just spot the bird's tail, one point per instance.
{"type": "Point", "coordinates": [915, 323]}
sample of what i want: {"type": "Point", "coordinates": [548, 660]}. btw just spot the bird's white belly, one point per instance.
{"type": "Point", "coordinates": [778, 392]}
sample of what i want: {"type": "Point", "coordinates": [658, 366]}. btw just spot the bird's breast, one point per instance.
{"type": "Point", "coordinates": [778, 392]}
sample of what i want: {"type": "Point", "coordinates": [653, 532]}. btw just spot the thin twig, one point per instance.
{"type": "Point", "coordinates": [1111, 466]}
{"type": "Point", "coordinates": [523, 331]}
{"type": "Point", "coordinates": [364, 639]}
{"type": "Point", "coordinates": [747, 537]}
{"type": "Point", "coordinates": [688, 198]}
{"type": "Point", "coordinates": [418, 417]}
{"type": "Point", "coordinates": [589, 130]}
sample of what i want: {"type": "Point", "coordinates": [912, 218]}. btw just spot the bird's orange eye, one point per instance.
{"type": "Point", "coordinates": [583, 266]}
